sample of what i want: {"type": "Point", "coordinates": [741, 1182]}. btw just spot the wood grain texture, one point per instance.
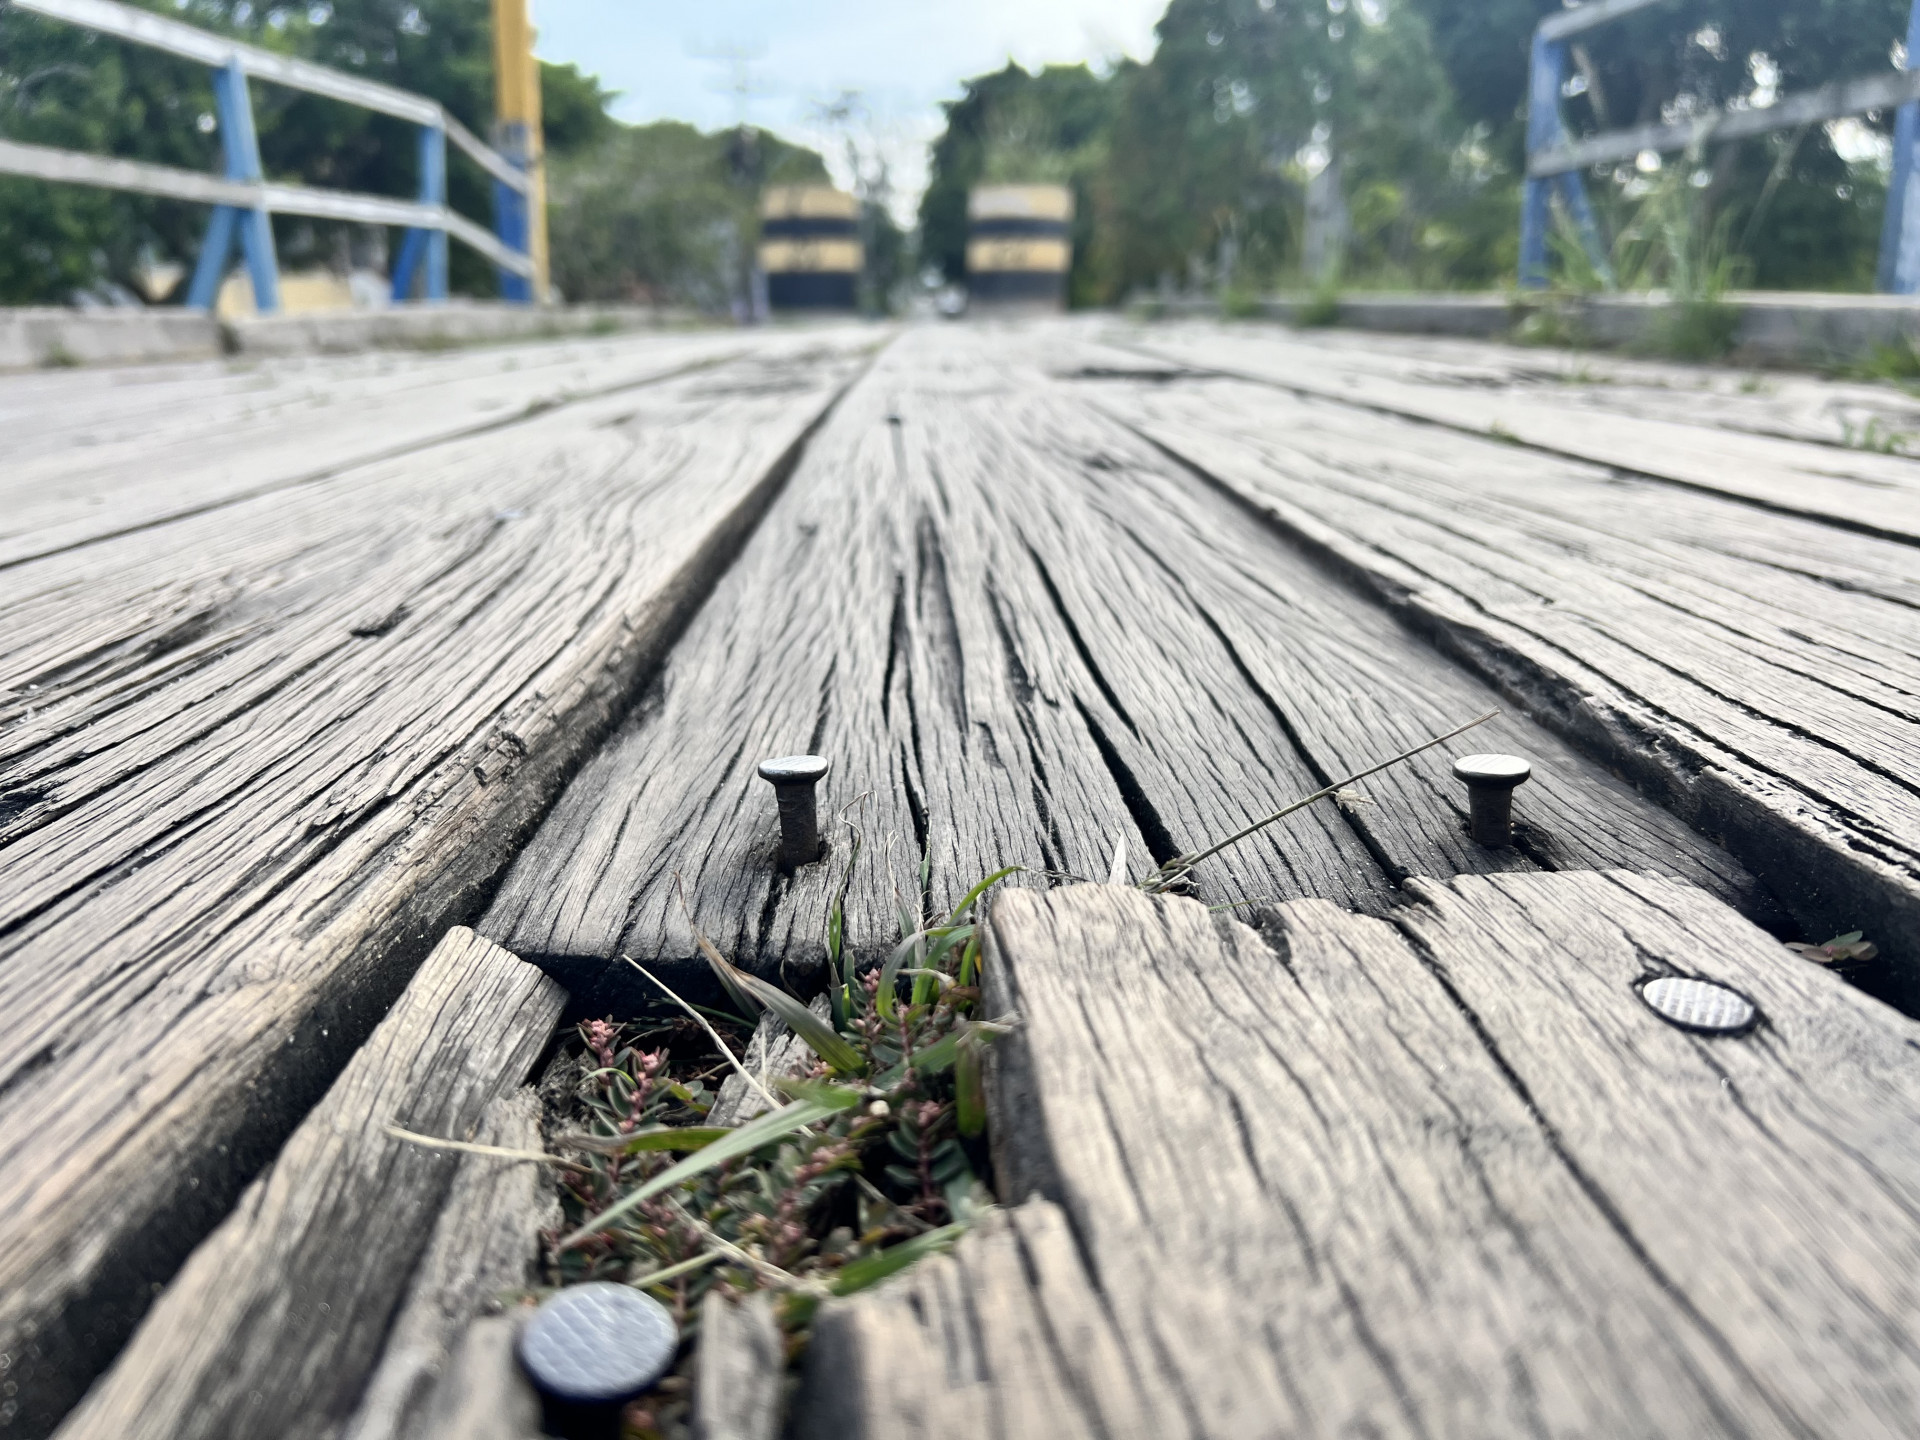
{"type": "Point", "coordinates": [741, 1373]}
{"type": "Point", "coordinates": [1778, 404]}
{"type": "Point", "coordinates": [1757, 672]}
{"type": "Point", "coordinates": [485, 1243]}
{"type": "Point", "coordinates": [104, 453]}
{"type": "Point", "coordinates": [255, 762]}
{"type": "Point", "coordinates": [1299, 662]}
{"type": "Point", "coordinates": [274, 1323]}
{"type": "Point", "coordinates": [486, 1395]}
{"type": "Point", "coordinates": [1005, 1337]}
{"type": "Point", "coordinates": [1452, 1176]}
{"type": "Point", "coordinates": [862, 624]}
{"type": "Point", "coordinates": [1021, 632]}
{"type": "Point", "coordinates": [1859, 488]}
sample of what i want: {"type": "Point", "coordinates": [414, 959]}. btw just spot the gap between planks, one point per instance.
{"type": "Point", "coordinates": [227, 852]}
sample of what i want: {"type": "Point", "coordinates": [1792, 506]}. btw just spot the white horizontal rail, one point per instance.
{"type": "Point", "coordinates": [1586, 17]}
{"type": "Point", "coordinates": [43, 162]}
{"type": "Point", "coordinates": [143, 27]}
{"type": "Point", "coordinates": [478, 237]}
{"type": "Point", "coordinates": [486, 157]}
{"type": "Point", "coordinates": [1810, 107]}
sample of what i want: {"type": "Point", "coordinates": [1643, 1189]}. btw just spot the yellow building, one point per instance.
{"type": "Point", "coordinates": [810, 247]}
{"type": "Point", "coordinates": [1019, 246]}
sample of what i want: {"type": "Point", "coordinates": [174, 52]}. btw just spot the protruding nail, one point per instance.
{"type": "Point", "coordinates": [1491, 780]}
{"type": "Point", "coordinates": [592, 1348]}
{"type": "Point", "coordinates": [793, 778]}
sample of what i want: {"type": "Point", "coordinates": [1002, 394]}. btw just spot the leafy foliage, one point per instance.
{"type": "Point", "coordinates": [1013, 127]}
{"type": "Point", "coordinates": [663, 213]}
{"type": "Point", "coordinates": [1191, 169]}
{"type": "Point", "coordinates": [1848, 949]}
{"type": "Point", "coordinates": [872, 1163]}
{"type": "Point", "coordinates": [60, 85]}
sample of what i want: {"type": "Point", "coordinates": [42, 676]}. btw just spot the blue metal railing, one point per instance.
{"type": "Point", "coordinates": [1555, 159]}
{"type": "Point", "coordinates": [243, 199]}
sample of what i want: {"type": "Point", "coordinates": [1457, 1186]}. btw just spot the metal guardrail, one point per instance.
{"type": "Point", "coordinates": [42, 162]}
{"type": "Point", "coordinates": [1829, 102]}
{"type": "Point", "coordinates": [243, 198]}
{"type": "Point", "coordinates": [1555, 158]}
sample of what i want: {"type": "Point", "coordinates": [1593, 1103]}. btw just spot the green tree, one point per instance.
{"type": "Point", "coordinates": [1214, 139]}
{"type": "Point", "coordinates": [1016, 127]}
{"type": "Point", "coordinates": [664, 214]}
{"type": "Point", "coordinates": [1797, 212]}
{"type": "Point", "coordinates": [64, 86]}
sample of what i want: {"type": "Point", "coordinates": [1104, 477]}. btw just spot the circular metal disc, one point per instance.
{"type": "Point", "coordinates": [597, 1343]}
{"type": "Point", "coordinates": [790, 768]}
{"type": "Point", "coordinates": [1492, 769]}
{"type": "Point", "coordinates": [1699, 1005]}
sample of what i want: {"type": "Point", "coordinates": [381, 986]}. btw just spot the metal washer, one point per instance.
{"type": "Point", "coordinates": [597, 1343]}
{"type": "Point", "coordinates": [1702, 1005]}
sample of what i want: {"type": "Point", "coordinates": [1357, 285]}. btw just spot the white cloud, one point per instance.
{"type": "Point", "coordinates": [905, 56]}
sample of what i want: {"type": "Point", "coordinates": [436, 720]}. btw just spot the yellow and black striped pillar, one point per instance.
{"type": "Point", "coordinates": [810, 247]}
{"type": "Point", "coordinates": [1019, 246]}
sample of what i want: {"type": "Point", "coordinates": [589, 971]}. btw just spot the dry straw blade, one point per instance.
{"type": "Point", "coordinates": [1181, 866]}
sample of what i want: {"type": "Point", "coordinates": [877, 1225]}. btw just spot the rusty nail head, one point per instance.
{"type": "Point", "coordinates": [1491, 780]}
{"type": "Point", "coordinates": [793, 778]}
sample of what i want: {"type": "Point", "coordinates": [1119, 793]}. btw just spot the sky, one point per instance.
{"type": "Point", "coordinates": [669, 59]}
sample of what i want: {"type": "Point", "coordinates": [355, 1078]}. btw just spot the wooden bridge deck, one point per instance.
{"type": "Point", "coordinates": [304, 663]}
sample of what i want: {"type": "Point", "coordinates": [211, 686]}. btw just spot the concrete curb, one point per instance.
{"type": "Point", "coordinates": [1767, 327]}
{"type": "Point", "coordinates": [40, 338]}
{"type": "Point", "coordinates": [437, 327]}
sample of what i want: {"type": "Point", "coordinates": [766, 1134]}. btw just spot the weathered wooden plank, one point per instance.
{"type": "Point", "coordinates": [1158, 567]}
{"type": "Point", "coordinates": [1452, 1176]}
{"type": "Point", "coordinates": [1003, 1338]}
{"type": "Point", "coordinates": [1082, 542]}
{"type": "Point", "coordinates": [116, 457]}
{"type": "Point", "coordinates": [860, 624]}
{"type": "Point", "coordinates": [1756, 671]}
{"type": "Point", "coordinates": [740, 1376]}
{"type": "Point", "coordinates": [72, 414]}
{"type": "Point", "coordinates": [1782, 405]}
{"type": "Point", "coordinates": [274, 1323]}
{"type": "Point", "coordinates": [1867, 491]}
{"type": "Point", "coordinates": [1770, 1180]}
{"type": "Point", "coordinates": [485, 1395]}
{"type": "Point", "coordinates": [1022, 632]}
{"type": "Point", "coordinates": [485, 1243]}
{"type": "Point", "coordinates": [228, 848]}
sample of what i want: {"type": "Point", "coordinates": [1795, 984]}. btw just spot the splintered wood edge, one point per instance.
{"type": "Point", "coordinates": [486, 1241]}
{"type": "Point", "coordinates": [741, 1370]}
{"type": "Point", "coordinates": [215, 1352]}
{"type": "Point", "coordinates": [1004, 1337]}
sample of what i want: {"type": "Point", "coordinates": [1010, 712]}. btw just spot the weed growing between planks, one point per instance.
{"type": "Point", "coordinates": [867, 1162]}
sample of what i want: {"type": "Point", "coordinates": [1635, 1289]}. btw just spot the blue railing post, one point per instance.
{"type": "Point", "coordinates": [1547, 72]}
{"type": "Point", "coordinates": [1544, 78]}
{"type": "Point", "coordinates": [203, 293]}
{"type": "Point", "coordinates": [241, 147]}
{"type": "Point", "coordinates": [432, 244]}
{"type": "Point", "coordinates": [1899, 268]}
